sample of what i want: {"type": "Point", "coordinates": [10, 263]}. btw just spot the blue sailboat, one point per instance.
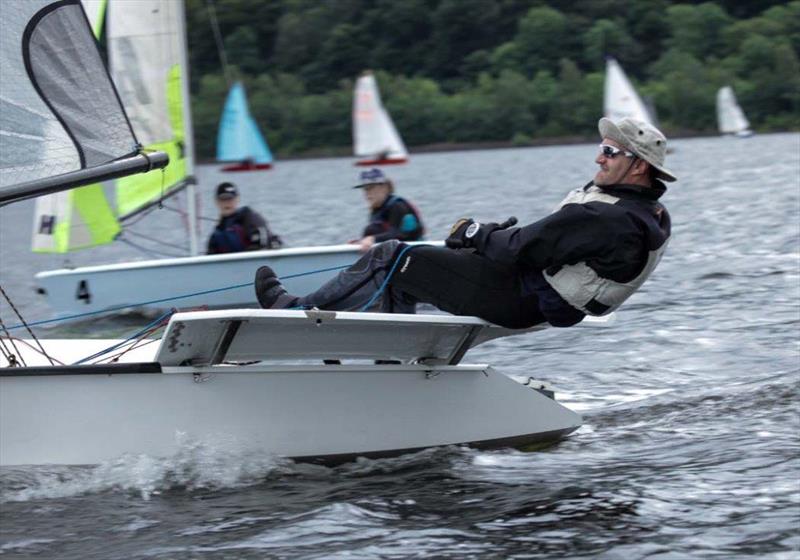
{"type": "Point", "coordinates": [239, 140]}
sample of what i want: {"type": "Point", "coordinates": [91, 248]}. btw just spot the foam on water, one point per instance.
{"type": "Point", "coordinates": [193, 466]}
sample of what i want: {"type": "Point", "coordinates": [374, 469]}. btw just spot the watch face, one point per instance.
{"type": "Point", "coordinates": [472, 230]}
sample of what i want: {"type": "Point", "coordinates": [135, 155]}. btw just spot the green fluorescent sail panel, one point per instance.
{"type": "Point", "coordinates": [148, 64]}
{"type": "Point", "coordinates": [71, 220]}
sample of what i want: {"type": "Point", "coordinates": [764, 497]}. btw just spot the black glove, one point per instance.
{"type": "Point", "coordinates": [455, 239]}
{"type": "Point", "coordinates": [467, 233]}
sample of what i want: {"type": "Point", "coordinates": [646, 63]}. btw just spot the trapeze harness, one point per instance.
{"type": "Point", "coordinates": [580, 286]}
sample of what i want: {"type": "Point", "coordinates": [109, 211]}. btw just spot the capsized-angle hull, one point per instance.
{"type": "Point", "coordinates": [321, 413]}
{"type": "Point", "coordinates": [194, 389]}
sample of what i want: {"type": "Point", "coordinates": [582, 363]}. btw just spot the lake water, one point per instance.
{"type": "Point", "coordinates": [690, 446]}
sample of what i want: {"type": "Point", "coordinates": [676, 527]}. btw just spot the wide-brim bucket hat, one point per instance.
{"type": "Point", "coordinates": [641, 138]}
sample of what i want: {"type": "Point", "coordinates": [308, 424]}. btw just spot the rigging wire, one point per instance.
{"type": "Point", "coordinates": [138, 344]}
{"type": "Point", "coordinates": [150, 252]}
{"type": "Point", "coordinates": [154, 239]}
{"type": "Point", "coordinates": [11, 303]}
{"type": "Point", "coordinates": [140, 216]}
{"type": "Point", "coordinates": [184, 213]}
{"type": "Point", "coordinates": [9, 355]}
{"type": "Point", "coordinates": [212, 14]}
{"type": "Point", "coordinates": [12, 338]}
{"type": "Point", "coordinates": [133, 337]}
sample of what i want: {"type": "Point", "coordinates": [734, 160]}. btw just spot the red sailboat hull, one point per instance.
{"type": "Point", "coordinates": [365, 162]}
{"type": "Point", "coordinates": [247, 166]}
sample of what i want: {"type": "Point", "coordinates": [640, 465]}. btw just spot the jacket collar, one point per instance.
{"type": "Point", "coordinates": [622, 190]}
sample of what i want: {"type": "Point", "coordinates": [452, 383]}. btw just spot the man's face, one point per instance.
{"type": "Point", "coordinates": [227, 206]}
{"type": "Point", "coordinates": [612, 169]}
{"type": "Point", "coordinates": [376, 195]}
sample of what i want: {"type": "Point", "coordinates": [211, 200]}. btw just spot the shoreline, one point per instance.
{"type": "Point", "coordinates": [347, 151]}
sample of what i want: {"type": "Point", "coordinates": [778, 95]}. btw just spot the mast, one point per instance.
{"type": "Point", "coordinates": [188, 140]}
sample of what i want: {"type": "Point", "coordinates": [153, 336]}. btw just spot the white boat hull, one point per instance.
{"type": "Point", "coordinates": [216, 281]}
{"type": "Point", "coordinates": [186, 282]}
{"type": "Point", "coordinates": [324, 413]}
{"type": "Point", "coordinates": [319, 386]}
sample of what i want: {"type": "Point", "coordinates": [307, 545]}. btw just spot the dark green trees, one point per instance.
{"type": "Point", "coordinates": [490, 70]}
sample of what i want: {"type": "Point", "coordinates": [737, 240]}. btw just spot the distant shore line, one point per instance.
{"type": "Point", "coordinates": [347, 151]}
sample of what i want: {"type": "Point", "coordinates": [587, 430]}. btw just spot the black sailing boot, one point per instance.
{"type": "Point", "coordinates": [270, 292]}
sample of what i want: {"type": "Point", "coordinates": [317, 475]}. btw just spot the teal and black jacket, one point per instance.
{"type": "Point", "coordinates": [397, 218]}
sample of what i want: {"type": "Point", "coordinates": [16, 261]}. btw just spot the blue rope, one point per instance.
{"type": "Point", "coordinates": [130, 338]}
{"type": "Point", "coordinates": [377, 294]}
{"type": "Point", "coordinates": [141, 304]}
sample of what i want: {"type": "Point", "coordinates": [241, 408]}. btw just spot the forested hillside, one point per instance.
{"type": "Point", "coordinates": [489, 70]}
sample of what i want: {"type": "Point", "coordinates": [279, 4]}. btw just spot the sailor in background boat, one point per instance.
{"type": "Point", "coordinates": [239, 228]}
{"type": "Point", "coordinates": [586, 258]}
{"type": "Point", "coordinates": [391, 216]}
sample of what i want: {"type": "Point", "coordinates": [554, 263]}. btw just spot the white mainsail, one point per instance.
{"type": "Point", "coordinates": [730, 116]}
{"type": "Point", "coordinates": [620, 99]}
{"type": "Point", "coordinates": [374, 133]}
{"type": "Point", "coordinates": [61, 122]}
{"type": "Point", "coordinates": [147, 58]}
{"type": "Point", "coordinates": [147, 54]}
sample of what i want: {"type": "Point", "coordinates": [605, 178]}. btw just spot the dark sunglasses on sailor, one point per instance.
{"type": "Point", "coordinates": [611, 152]}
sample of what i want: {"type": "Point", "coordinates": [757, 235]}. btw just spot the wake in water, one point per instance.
{"type": "Point", "coordinates": [194, 466]}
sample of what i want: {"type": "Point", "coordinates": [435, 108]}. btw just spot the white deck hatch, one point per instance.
{"type": "Point", "coordinates": [242, 335]}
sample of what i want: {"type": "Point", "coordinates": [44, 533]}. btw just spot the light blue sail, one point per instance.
{"type": "Point", "coordinates": [239, 138]}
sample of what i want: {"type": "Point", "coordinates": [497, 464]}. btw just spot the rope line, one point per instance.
{"type": "Point", "coordinates": [138, 344]}
{"type": "Point", "coordinates": [129, 339]}
{"type": "Point", "coordinates": [385, 282]}
{"type": "Point", "coordinates": [28, 344]}
{"type": "Point", "coordinates": [149, 252]}
{"type": "Point", "coordinates": [9, 355]}
{"type": "Point", "coordinates": [24, 324]}
{"type": "Point", "coordinates": [154, 239]}
{"type": "Point", "coordinates": [212, 15]}
{"type": "Point", "coordinates": [162, 300]}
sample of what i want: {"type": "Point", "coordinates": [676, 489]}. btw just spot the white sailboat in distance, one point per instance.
{"type": "Point", "coordinates": [730, 117]}
{"type": "Point", "coordinates": [620, 99]}
{"type": "Point", "coordinates": [375, 138]}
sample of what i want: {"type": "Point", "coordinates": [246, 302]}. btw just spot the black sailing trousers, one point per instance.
{"type": "Point", "coordinates": [457, 281]}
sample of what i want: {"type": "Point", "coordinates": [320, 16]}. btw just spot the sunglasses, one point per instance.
{"type": "Point", "coordinates": [612, 151]}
